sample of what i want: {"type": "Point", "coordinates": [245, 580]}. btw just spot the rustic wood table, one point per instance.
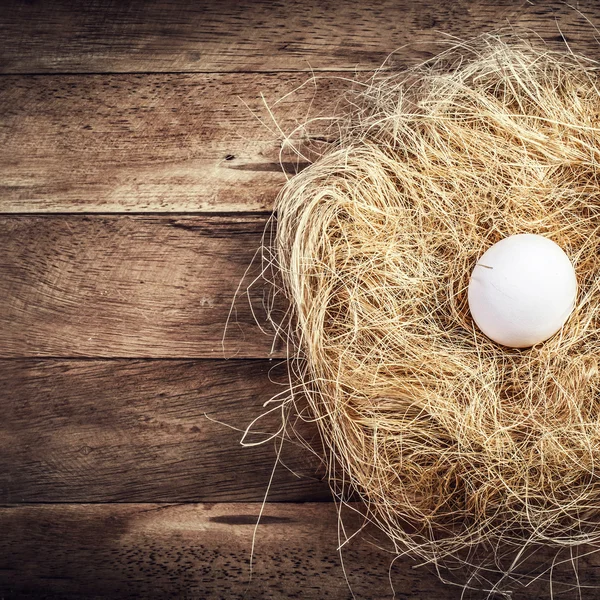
{"type": "Point", "coordinates": [138, 166]}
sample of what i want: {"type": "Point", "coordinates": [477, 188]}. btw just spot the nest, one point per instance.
{"type": "Point", "coordinates": [454, 443]}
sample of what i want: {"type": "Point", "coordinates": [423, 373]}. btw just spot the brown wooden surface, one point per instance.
{"type": "Point", "coordinates": [131, 286]}
{"type": "Point", "coordinates": [257, 35]}
{"type": "Point", "coordinates": [203, 551]}
{"type": "Point", "coordinates": [193, 551]}
{"type": "Point", "coordinates": [175, 142]}
{"type": "Point", "coordinates": [111, 325]}
{"type": "Point", "coordinates": [145, 431]}
{"type": "Point", "coordinates": [153, 143]}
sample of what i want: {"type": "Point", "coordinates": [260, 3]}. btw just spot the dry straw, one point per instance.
{"type": "Point", "coordinates": [463, 451]}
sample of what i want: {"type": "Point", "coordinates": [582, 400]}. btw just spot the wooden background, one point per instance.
{"type": "Point", "coordinates": [138, 166]}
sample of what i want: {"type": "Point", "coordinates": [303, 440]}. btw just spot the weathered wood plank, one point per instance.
{"type": "Point", "coordinates": [136, 431]}
{"type": "Point", "coordinates": [203, 551]}
{"type": "Point", "coordinates": [125, 286]}
{"type": "Point", "coordinates": [232, 35]}
{"type": "Point", "coordinates": [154, 143]}
{"type": "Point", "coordinates": [192, 551]}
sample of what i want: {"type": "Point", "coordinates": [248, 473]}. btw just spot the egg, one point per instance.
{"type": "Point", "coordinates": [522, 290]}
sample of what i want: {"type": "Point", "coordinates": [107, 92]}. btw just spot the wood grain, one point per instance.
{"type": "Point", "coordinates": [124, 286]}
{"type": "Point", "coordinates": [155, 143]}
{"type": "Point", "coordinates": [192, 551]}
{"type": "Point", "coordinates": [145, 431]}
{"type": "Point", "coordinates": [203, 551]}
{"type": "Point", "coordinates": [251, 35]}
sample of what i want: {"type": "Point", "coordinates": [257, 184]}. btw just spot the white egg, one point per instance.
{"type": "Point", "coordinates": [522, 290]}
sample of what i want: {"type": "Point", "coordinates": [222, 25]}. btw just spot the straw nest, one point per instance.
{"type": "Point", "coordinates": [453, 442]}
